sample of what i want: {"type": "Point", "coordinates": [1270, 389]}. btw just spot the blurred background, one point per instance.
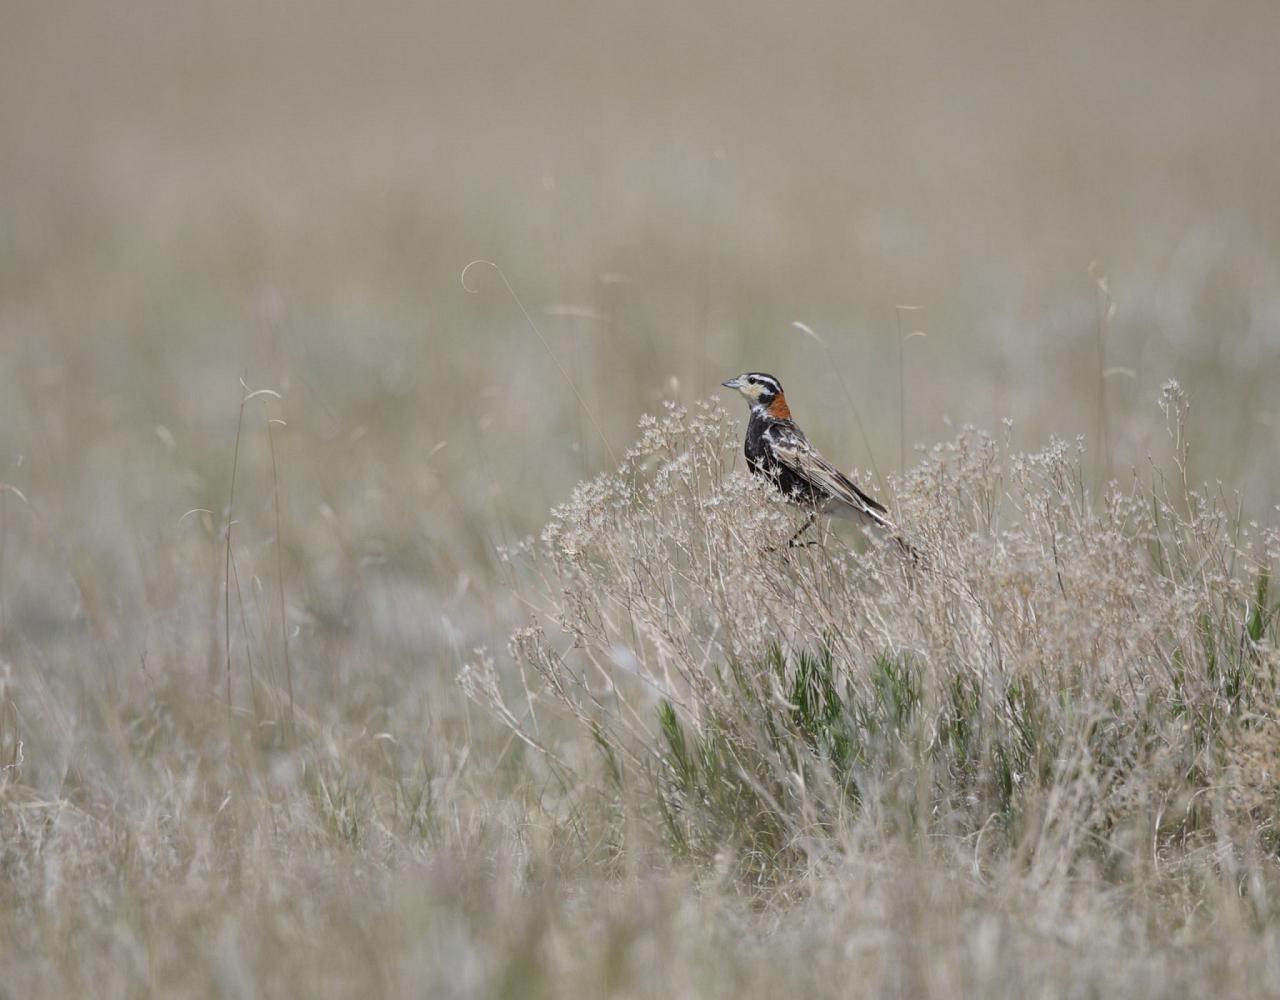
{"type": "Point", "coordinates": [1080, 198]}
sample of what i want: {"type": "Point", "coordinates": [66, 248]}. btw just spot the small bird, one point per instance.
{"type": "Point", "coordinates": [777, 450]}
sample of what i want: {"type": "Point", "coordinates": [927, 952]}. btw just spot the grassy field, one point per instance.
{"type": "Point", "coordinates": [369, 631]}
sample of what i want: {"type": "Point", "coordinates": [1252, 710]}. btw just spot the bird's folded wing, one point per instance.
{"type": "Point", "coordinates": [794, 451]}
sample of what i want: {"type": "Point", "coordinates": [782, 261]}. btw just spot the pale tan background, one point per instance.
{"type": "Point", "coordinates": [182, 183]}
{"type": "Point", "coordinates": [288, 192]}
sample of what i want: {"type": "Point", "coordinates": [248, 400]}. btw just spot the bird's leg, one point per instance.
{"type": "Point", "coordinates": [808, 523]}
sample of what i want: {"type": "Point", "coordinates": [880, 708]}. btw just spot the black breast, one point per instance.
{"type": "Point", "coordinates": [762, 461]}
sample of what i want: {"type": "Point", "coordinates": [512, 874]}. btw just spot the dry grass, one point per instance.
{"type": "Point", "coordinates": [235, 757]}
{"type": "Point", "coordinates": [1057, 685]}
{"type": "Point", "coordinates": [1040, 761]}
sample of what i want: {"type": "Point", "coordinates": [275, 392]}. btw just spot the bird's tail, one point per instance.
{"type": "Point", "coordinates": [881, 522]}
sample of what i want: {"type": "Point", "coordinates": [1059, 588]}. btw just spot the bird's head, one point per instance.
{"type": "Point", "coordinates": [762, 392]}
